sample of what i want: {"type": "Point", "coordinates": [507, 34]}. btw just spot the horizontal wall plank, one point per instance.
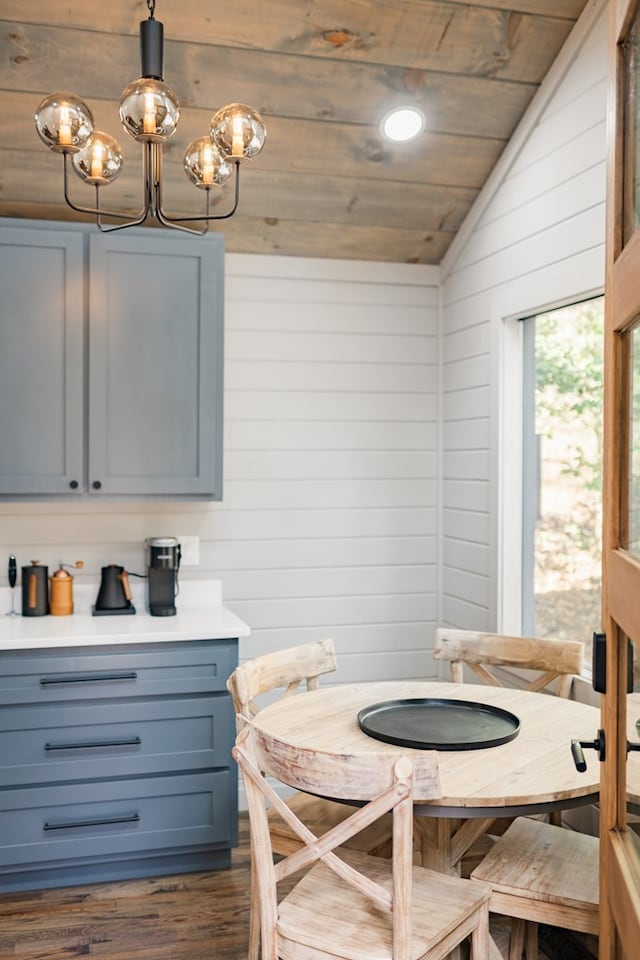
{"type": "Point", "coordinates": [471, 342]}
{"type": "Point", "coordinates": [463, 585]}
{"type": "Point", "coordinates": [291, 494]}
{"type": "Point", "coordinates": [290, 405]}
{"type": "Point", "coordinates": [466, 525]}
{"type": "Point", "coordinates": [319, 293]}
{"type": "Point", "coordinates": [328, 347]}
{"type": "Point", "coordinates": [470, 557]}
{"type": "Point", "coordinates": [414, 520]}
{"type": "Point", "coordinates": [472, 495]}
{"type": "Point", "coordinates": [462, 404]}
{"type": "Point", "coordinates": [318, 466]}
{"type": "Point", "coordinates": [467, 434]}
{"type": "Point", "coordinates": [304, 553]}
{"type": "Point", "coordinates": [465, 616]}
{"type": "Point", "coordinates": [467, 373]}
{"type": "Point", "coordinates": [356, 318]}
{"type": "Point", "coordinates": [328, 436]}
{"type": "Point", "coordinates": [354, 377]}
{"type": "Point", "coordinates": [328, 582]}
{"type": "Point", "coordinates": [466, 465]}
{"type": "Point", "coordinates": [291, 612]}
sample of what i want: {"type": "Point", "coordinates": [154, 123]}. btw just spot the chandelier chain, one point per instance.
{"type": "Point", "coordinates": [151, 7]}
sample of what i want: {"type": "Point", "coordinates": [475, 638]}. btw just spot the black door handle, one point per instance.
{"type": "Point", "coordinates": [578, 755]}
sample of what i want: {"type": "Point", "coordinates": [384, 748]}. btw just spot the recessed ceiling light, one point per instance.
{"type": "Point", "coordinates": [405, 123]}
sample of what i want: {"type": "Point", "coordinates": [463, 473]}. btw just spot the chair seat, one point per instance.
{"type": "Point", "coordinates": [324, 913]}
{"type": "Point", "coordinates": [544, 873]}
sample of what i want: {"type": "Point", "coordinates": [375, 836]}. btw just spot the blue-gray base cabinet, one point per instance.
{"type": "Point", "coordinates": [115, 762]}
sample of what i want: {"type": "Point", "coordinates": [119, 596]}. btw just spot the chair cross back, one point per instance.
{"type": "Point", "coordinates": [348, 772]}
{"type": "Point", "coordinates": [289, 669]}
{"type": "Point", "coordinates": [554, 660]}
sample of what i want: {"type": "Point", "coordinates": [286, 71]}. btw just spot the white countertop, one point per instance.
{"type": "Point", "coordinates": [201, 615]}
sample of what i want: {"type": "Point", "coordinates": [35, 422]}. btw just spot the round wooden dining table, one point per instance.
{"type": "Point", "coordinates": [533, 772]}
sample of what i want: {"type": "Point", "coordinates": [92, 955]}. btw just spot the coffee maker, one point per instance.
{"type": "Point", "coordinates": [163, 563]}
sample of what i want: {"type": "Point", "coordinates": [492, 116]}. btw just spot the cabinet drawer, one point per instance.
{"type": "Point", "coordinates": [79, 821]}
{"type": "Point", "coordinates": [43, 744]}
{"type": "Point", "coordinates": [199, 666]}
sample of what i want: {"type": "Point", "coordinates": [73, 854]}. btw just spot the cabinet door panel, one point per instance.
{"type": "Point", "coordinates": [155, 366]}
{"type": "Point", "coordinates": [41, 362]}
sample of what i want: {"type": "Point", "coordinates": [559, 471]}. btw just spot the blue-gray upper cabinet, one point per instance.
{"type": "Point", "coordinates": [155, 365]}
{"type": "Point", "coordinates": [111, 364]}
{"type": "Point", "coordinates": [41, 362]}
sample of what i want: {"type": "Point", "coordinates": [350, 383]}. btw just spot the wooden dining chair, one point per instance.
{"type": "Point", "coordinates": [291, 671]}
{"type": "Point", "coordinates": [348, 904]}
{"type": "Point", "coordinates": [540, 873]}
{"type": "Point", "coordinates": [555, 662]}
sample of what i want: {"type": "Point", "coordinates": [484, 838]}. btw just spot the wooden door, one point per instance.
{"type": "Point", "coordinates": [620, 850]}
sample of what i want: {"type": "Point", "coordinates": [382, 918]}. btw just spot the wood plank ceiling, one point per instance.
{"type": "Point", "coordinates": [322, 73]}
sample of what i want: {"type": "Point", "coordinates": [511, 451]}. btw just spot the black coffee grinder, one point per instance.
{"type": "Point", "coordinates": [163, 563]}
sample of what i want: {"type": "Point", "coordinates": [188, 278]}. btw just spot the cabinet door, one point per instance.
{"type": "Point", "coordinates": [41, 362]}
{"type": "Point", "coordinates": [155, 365]}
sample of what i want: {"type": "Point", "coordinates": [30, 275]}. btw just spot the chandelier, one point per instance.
{"type": "Point", "coordinates": [149, 112]}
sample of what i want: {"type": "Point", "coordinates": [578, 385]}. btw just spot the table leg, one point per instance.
{"type": "Point", "coordinates": [444, 841]}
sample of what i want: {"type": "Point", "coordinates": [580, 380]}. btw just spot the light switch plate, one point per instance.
{"type": "Point", "coordinates": [190, 551]}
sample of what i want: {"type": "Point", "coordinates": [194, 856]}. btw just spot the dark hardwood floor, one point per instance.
{"type": "Point", "coordinates": [198, 916]}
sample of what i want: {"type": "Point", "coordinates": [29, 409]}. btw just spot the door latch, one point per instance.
{"type": "Point", "coordinates": [599, 663]}
{"type": "Point", "coordinates": [597, 744]}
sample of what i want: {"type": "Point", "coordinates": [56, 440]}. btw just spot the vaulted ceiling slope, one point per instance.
{"type": "Point", "coordinates": [322, 73]}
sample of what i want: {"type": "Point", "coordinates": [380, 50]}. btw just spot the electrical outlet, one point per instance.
{"type": "Point", "coordinates": [190, 551]}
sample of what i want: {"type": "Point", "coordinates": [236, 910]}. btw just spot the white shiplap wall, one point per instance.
{"type": "Point", "coordinates": [328, 522]}
{"type": "Point", "coordinates": [535, 238]}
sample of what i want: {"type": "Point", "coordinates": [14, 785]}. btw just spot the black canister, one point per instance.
{"type": "Point", "coordinates": [35, 590]}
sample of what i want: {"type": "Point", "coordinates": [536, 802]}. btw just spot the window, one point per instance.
{"type": "Point", "coordinates": [562, 471]}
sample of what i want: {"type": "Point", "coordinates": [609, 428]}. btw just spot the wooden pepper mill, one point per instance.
{"type": "Point", "coordinates": [61, 598]}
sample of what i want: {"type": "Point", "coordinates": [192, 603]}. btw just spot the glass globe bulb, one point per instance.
{"type": "Point", "coordinates": [238, 131]}
{"type": "Point", "coordinates": [64, 122]}
{"type": "Point", "coordinates": [149, 110]}
{"type": "Point", "coordinates": [204, 165]}
{"type": "Point", "coordinates": [100, 161]}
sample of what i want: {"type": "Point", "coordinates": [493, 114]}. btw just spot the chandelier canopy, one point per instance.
{"type": "Point", "coordinates": [149, 112]}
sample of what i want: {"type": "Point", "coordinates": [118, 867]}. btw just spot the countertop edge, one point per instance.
{"type": "Point", "coordinates": [83, 630]}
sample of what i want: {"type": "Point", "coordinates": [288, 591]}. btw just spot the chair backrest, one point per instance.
{"type": "Point", "coordinates": [290, 668]}
{"type": "Point", "coordinates": [556, 660]}
{"type": "Point", "coordinates": [383, 782]}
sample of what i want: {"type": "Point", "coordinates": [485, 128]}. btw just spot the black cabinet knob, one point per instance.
{"type": "Point", "coordinates": [96, 485]}
{"type": "Point", "coordinates": [73, 484]}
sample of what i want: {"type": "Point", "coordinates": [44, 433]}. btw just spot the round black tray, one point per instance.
{"type": "Point", "coordinates": [434, 724]}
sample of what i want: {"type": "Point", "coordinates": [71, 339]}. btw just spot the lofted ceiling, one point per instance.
{"type": "Point", "coordinates": [322, 73]}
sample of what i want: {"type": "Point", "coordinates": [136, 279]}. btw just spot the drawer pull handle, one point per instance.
{"type": "Point", "coordinates": [89, 744]}
{"type": "Point", "coordinates": [90, 677]}
{"type": "Point", "coordinates": [97, 822]}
